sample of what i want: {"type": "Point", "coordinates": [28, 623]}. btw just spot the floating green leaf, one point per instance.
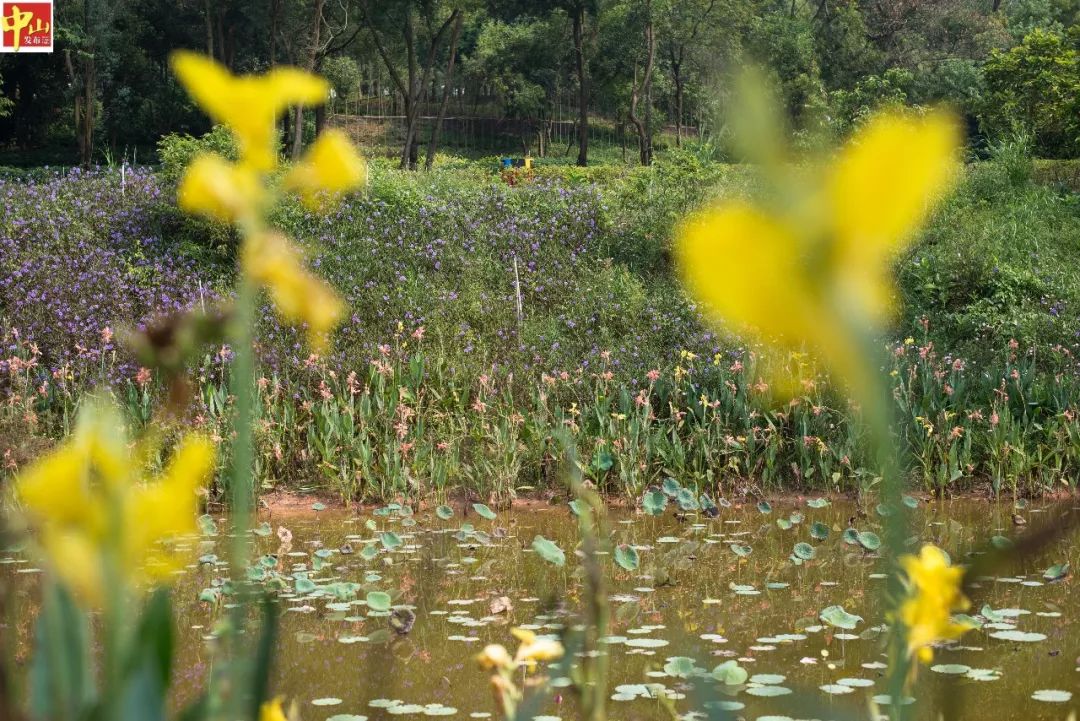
{"type": "Point", "coordinates": [654, 502]}
{"type": "Point", "coordinates": [804, 551]}
{"type": "Point", "coordinates": [869, 540]}
{"type": "Point", "coordinates": [548, 551]}
{"type": "Point", "coordinates": [837, 616]}
{"type": "Point", "coordinates": [390, 540]}
{"type": "Point", "coordinates": [444, 512]}
{"type": "Point", "coordinates": [740, 549]}
{"type": "Point", "coordinates": [1001, 543]}
{"type": "Point", "coordinates": [378, 600]}
{"type": "Point", "coordinates": [819, 531]}
{"type": "Point", "coordinates": [730, 673]}
{"type": "Point", "coordinates": [207, 526]}
{"type": "Point", "coordinates": [764, 507]}
{"type": "Point", "coordinates": [484, 512]}
{"type": "Point", "coordinates": [1056, 572]}
{"type": "Point", "coordinates": [627, 557]}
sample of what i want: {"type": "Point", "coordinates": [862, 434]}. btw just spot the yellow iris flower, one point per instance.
{"type": "Point", "coordinates": [809, 274]}
{"type": "Point", "coordinates": [271, 260]}
{"type": "Point", "coordinates": [533, 648]}
{"type": "Point", "coordinates": [237, 193]}
{"type": "Point", "coordinates": [88, 503]}
{"type": "Point", "coordinates": [248, 104]}
{"type": "Point", "coordinates": [330, 166]}
{"type": "Point", "coordinates": [934, 594]}
{"type": "Point", "coordinates": [218, 189]}
{"type": "Point", "coordinates": [271, 710]}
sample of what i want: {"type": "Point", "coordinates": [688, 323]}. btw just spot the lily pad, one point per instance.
{"type": "Point", "coordinates": [444, 512]}
{"type": "Point", "coordinates": [484, 512]}
{"type": "Point", "coordinates": [805, 551]}
{"type": "Point", "coordinates": [654, 502]}
{"type": "Point", "coordinates": [627, 557]}
{"type": "Point", "coordinates": [869, 540]}
{"type": "Point", "coordinates": [837, 616]}
{"type": "Point", "coordinates": [730, 673]}
{"type": "Point", "coordinates": [548, 551]}
{"type": "Point", "coordinates": [378, 600]}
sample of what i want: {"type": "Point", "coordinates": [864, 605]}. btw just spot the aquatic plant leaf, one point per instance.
{"type": "Point", "coordinates": [869, 540]}
{"type": "Point", "coordinates": [730, 673]}
{"type": "Point", "coordinates": [207, 525]}
{"type": "Point", "coordinates": [838, 617]}
{"type": "Point", "coordinates": [444, 512]}
{"type": "Point", "coordinates": [804, 551]}
{"type": "Point", "coordinates": [378, 600]}
{"type": "Point", "coordinates": [654, 502]}
{"type": "Point", "coordinates": [484, 512]}
{"type": "Point", "coordinates": [741, 550]}
{"type": "Point", "coordinates": [1056, 572]}
{"type": "Point", "coordinates": [548, 551]}
{"type": "Point", "coordinates": [819, 531]}
{"type": "Point", "coordinates": [627, 557]}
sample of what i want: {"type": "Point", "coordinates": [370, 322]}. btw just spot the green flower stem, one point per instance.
{"type": "Point", "coordinates": [878, 411]}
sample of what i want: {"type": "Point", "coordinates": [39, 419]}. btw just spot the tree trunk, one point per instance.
{"type": "Point", "coordinates": [409, 153]}
{"type": "Point", "coordinates": [448, 80]}
{"type": "Point", "coordinates": [275, 18]}
{"type": "Point", "coordinates": [644, 131]}
{"type": "Point", "coordinates": [313, 49]}
{"type": "Point", "coordinates": [84, 80]}
{"type": "Point", "coordinates": [209, 30]}
{"type": "Point", "coordinates": [583, 90]}
{"type": "Point", "coordinates": [677, 78]}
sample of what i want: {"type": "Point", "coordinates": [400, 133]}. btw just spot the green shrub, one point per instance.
{"type": "Point", "coordinates": [176, 150]}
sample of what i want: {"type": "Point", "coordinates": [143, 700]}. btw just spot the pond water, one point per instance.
{"type": "Point", "coordinates": [693, 597]}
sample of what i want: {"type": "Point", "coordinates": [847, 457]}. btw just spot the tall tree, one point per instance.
{"type": "Point", "coordinates": [643, 89]}
{"type": "Point", "coordinates": [421, 31]}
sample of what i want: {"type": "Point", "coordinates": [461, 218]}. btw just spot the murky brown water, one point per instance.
{"type": "Point", "coordinates": [715, 606]}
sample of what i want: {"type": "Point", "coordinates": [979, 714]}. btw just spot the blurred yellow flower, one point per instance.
{"type": "Point", "coordinates": [494, 657]}
{"type": "Point", "coordinates": [534, 648]}
{"type": "Point", "coordinates": [88, 504]}
{"type": "Point", "coordinates": [271, 710]}
{"type": "Point", "coordinates": [271, 260]}
{"type": "Point", "coordinates": [248, 104]}
{"type": "Point", "coordinates": [330, 167]}
{"type": "Point", "coordinates": [815, 271]}
{"type": "Point", "coordinates": [218, 189]}
{"type": "Point", "coordinates": [934, 594]}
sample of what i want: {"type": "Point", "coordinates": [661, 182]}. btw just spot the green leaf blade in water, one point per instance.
{"type": "Point", "coordinates": [484, 512]}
